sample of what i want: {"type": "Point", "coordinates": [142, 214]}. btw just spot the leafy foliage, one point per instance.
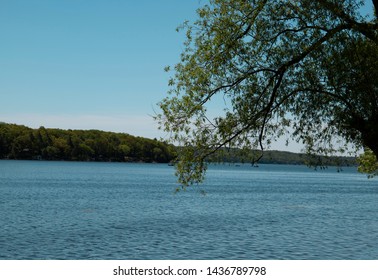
{"type": "Point", "coordinates": [21, 142]}
{"type": "Point", "coordinates": [368, 164]}
{"type": "Point", "coordinates": [279, 66]}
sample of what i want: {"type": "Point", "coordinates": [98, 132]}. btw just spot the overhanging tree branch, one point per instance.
{"type": "Point", "coordinates": [261, 56]}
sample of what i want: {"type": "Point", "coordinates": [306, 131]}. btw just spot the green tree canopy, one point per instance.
{"type": "Point", "coordinates": [21, 142]}
{"type": "Point", "coordinates": [368, 163]}
{"type": "Point", "coordinates": [308, 68]}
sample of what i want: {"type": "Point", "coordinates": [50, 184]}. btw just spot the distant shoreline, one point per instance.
{"type": "Point", "coordinates": [21, 142]}
{"type": "Point", "coordinates": [18, 142]}
{"type": "Point", "coordinates": [236, 164]}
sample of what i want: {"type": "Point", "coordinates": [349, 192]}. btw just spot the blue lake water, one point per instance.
{"type": "Point", "coordinates": [72, 210]}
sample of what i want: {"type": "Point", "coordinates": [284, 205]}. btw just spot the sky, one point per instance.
{"type": "Point", "coordinates": [84, 64]}
{"type": "Point", "coordinates": [90, 64]}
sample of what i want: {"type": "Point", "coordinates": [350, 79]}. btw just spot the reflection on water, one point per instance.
{"type": "Point", "coordinates": [67, 210]}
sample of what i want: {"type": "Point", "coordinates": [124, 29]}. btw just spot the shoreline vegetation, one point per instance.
{"type": "Point", "coordinates": [19, 142]}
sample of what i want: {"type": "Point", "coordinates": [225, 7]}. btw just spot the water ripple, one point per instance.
{"type": "Point", "coordinates": [61, 210]}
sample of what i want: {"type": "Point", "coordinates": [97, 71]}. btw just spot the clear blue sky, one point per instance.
{"type": "Point", "coordinates": [89, 64]}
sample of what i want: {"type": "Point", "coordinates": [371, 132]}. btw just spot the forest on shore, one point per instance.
{"type": "Point", "coordinates": [22, 142]}
{"type": "Point", "coordinates": [280, 157]}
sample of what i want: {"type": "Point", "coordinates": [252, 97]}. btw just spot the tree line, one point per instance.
{"type": "Point", "coordinates": [255, 157]}
{"type": "Point", "coordinates": [21, 142]}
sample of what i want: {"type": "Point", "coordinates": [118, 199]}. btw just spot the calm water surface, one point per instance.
{"type": "Point", "coordinates": [70, 210]}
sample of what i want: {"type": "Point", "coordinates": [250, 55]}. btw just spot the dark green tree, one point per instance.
{"type": "Point", "coordinates": [307, 66]}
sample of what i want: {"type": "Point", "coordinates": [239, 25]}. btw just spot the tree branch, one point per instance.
{"type": "Point", "coordinates": [375, 3]}
{"type": "Point", "coordinates": [279, 74]}
{"type": "Point", "coordinates": [369, 30]}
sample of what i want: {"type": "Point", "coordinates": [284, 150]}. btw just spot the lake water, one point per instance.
{"type": "Point", "coordinates": [72, 210]}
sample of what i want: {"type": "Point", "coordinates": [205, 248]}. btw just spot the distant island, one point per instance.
{"type": "Point", "coordinates": [23, 143]}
